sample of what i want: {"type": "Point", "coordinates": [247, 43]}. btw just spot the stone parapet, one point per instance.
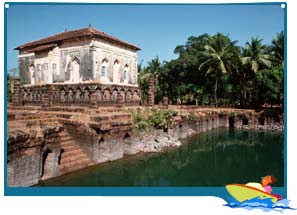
{"type": "Point", "coordinates": [81, 94]}
{"type": "Point", "coordinates": [16, 92]}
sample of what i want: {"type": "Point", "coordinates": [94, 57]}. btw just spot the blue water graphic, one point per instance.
{"type": "Point", "coordinates": [265, 205]}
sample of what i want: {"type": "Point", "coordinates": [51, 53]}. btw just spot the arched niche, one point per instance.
{"type": "Point", "coordinates": [106, 94]}
{"type": "Point", "coordinates": [127, 139]}
{"type": "Point", "coordinates": [32, 74]}
{"type": "Point", "coordinates": [104, 64]}
{"type": "Point", "coordinates": [73, 70]}
{"type": "Point", "coordinates": [47, 164]}
{"type": "Point", "coordinates": [114, 95]}
{"type": "Point", "coordinates": [116, 70]}
{"type": "Point", "coordinates": [98, 93]}
{"type": "Point", "coordinates": [125, 74]}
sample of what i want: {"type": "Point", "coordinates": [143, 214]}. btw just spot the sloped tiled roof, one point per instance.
{"type": "Point", "coordinates": [74, 34]}
{"type": "Point", "coordinates": [43, 47]}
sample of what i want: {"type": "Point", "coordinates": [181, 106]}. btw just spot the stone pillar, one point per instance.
{"type": "Point", "coordinates": [93, 61]}
{"type": "Point", "coordinates": [45, 100]}
{"type": "Point", "coordinates": [16, 94]}
{"type": "Point", "coordinates": [93, 100]}
{"type": "Point", "coordinates": [165, 100]}
{"type": "Point", "coordinates": [120, 99]}
{"type": "Point", "coordinates": [151, 93]}
{"type": "Point", "coordinates": [237, 122]}
{"type": "Point", "coordinates": [51, 94]}
{"type": "Point", "coordinates": [223, 122]}
{"type": "Point", "coordinates": [204, 124]}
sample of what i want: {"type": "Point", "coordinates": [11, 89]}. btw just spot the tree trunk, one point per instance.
{"type": "Point", "coordinates": [215, 89]}
{"type": "Point", "coordinates": [244, 93]}
{"type": "Point", "coordinates": [244, 89]}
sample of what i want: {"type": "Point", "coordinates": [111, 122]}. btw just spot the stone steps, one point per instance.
{"type": "Point", "coordinates": [73, 158]}
{"type": "Point", "coordinates": [33, 116]}
{"type": "Point", "coordinates": [42, 118]}
{"type": "Point", "coordinates": [65, 140]}
{"type": "Point", "coordinates": [73, 167]}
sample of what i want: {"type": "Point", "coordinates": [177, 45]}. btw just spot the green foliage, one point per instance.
{"type": "Point", "coordinates": [9, 93]}
{"type": "Point", "coordinates": [256, 55]}
{"type": "Point", "coordinates": [212, 70]}
{"type": "Point", "coordinates": [143, 80]}
{"type": "Point", "coordinates": [273, 113]}
{"type": "Point", "coordinates": [148, 119]}
{"type": "Point", "coordinates": [161, 119]}
{"type": "Point", "coordinates": [193, 116]}
{"type": "Point", "coordinates": [222, 114]}
{"type": "Point", "coordinates": [242, 116]}
{"type": "Point", "coordinates": [277, 49]}
{"type": "Point", "coordinates": [140, 122]}
{"type": "Point", "coordinates": [157, 119]}
{"type": "Point", "coordinates": [233, 114]}
{"type": "Point", "coordinates": [270, 86]}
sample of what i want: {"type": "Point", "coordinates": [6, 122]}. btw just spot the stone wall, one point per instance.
{"type": "Point", "coordinates": [186, 127]}
{"type": "Point", "coordinates": [113, 53]}
{"type": "Point", "coordinates": [32, 155]}
{"type": "Point", "coordinates": [16, 91]}
{"type": "Point", "coordinates": [78, 60]}
{"type": "Point", "coordinates": [78, 94]}
{"type": "Point", "coordinates": [36, 153]}
{"type": "Point", "coordinates": [24, 64]}
{"type": "Point", "coordinates": [103, 138]}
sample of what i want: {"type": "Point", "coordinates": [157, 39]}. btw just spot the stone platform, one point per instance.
{"type": "Point", "coordinates": [46, 142]}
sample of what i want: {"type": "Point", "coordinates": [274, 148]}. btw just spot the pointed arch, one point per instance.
{"type": "Point", "coordinates": [73, 70]}
{"type": "Point", "coordinates": [125, 73]}
{"type": "Point", "coordinates": [75, 58]}
{"type": "Point", "coordinates": [116, 70]}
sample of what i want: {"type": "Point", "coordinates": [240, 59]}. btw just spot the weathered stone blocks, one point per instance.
{"type": "Point", "coordinates": [82, 94]}
{"type": "Point", "coordinates": [26, 160]}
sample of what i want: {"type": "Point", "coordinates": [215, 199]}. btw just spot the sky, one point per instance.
{"type": "Point", "coordinates": [156, 29]}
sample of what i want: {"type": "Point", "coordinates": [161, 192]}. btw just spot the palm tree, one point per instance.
{"type": "Point", "coordinates": [143, 81]}
{"type": "Point", "coordinates": [256, 55]}
{"type": "Point", "coordinates": [155, 66]}
{"type": "Point", "coordinates": [219, 56]}
{"type": "Point", "coordinates": [277, 48]}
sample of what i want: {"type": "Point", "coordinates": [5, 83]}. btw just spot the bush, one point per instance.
{"type": "Point", "coordinates": [233, 114]}
{"type": "Point", "coordinates": [192, 116]}
{"type": "Point", "coordinates": [157, 118]}
{"type": "Point", "coordinates": [222, 114]}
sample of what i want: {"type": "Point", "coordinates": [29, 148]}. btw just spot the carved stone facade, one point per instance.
{"type": "Point", "coordinates": [81, 94]}
{"type": "Point", "coordinates": [73, 66]}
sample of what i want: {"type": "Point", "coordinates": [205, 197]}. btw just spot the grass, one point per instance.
{"type": "Point", "coordinates": [148, 119]}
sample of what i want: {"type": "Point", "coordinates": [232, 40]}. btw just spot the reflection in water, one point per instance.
{"type": "Point", "coordinates": [214, 158]}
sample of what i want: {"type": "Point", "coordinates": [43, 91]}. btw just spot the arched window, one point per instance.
{"type": "Point", "coordinates": [32, 74]}
{"type": "Point", "coordinates": [125, 73]}
{"type": "Point", "coordinates": [73, 68]}
{"type": "Point", "coordinates": [103, 68]}
{"type": "Point", "coordinates": [116, 66]}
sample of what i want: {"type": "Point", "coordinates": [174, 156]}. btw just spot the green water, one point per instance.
{"type": "Point", "coordinates": [214, 158]}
